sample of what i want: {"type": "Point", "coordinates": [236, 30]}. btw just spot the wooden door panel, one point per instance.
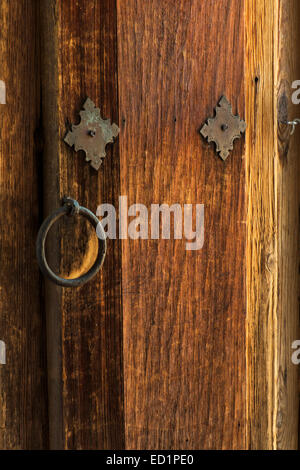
{"type": "Point", "coordinates": [23, 386]}
{"type": "Point", "coordinates": [86, 383]}
{"type": "Point", "coordinates": [184, 312]}
{"type": "Point", "coordinates": [165, 348]}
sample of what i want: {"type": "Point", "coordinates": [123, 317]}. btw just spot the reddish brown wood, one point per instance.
{"type": "Point", "coordinates": [184, 312]}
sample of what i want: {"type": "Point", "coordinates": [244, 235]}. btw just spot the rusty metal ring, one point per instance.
{"type": "Point", "coordinates": [71, 208]}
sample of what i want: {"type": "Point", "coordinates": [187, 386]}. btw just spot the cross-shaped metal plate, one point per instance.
{"type": "Point", "coordinates": [224, 128]}
{"type": "Point", "coordinates": [92, 134]}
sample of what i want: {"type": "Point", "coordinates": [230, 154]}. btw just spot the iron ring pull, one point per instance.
{"type": "Point", "coordinates": [72, 208]}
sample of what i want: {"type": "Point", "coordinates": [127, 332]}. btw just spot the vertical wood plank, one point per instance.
{"type": "Point", "coordinates": [84, 63]}
{"type": "Point", "coordinates": [23, 387]}
{"type": "Point", "coordinates": [261, 240]}
{"type": "Point", "coordinates": [272, 168]}
{"type": "Point", "coordinates": [184, 312]}
{"type": "Point", "coordinates": [287, 69]}
{"type": "Point", "coordinates": [51, 199]}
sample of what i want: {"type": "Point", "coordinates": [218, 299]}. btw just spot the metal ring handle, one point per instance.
{"type": "Point", "coordinates": [70, 207]}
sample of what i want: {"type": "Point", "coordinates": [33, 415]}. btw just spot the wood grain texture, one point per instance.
{"type": "Point", "coordinates": [261, 240]}
{"type": "Point", "coordinates": [287, 69]}
{"type": "Point", "coordinates": [23, 388]}
{"type": "Point", "coordinates": [184, 312]}
{"type": "Point", "coordinates": [272, 172]}
{"type": "Point", "coordinates": [90, 380]}
{"type": "Point", "coordinates": [51, 199]}
{"type": "Point", "coordinates": [198, 372]}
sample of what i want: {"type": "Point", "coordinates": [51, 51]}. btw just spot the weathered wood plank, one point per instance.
{"type": "Point", "coordinates": [88, 323]}
{"type": "Point", "coordinates": [184, 312]}
{"type": "Point", "coordinates": [23, 387]}
{"type": "Point", "coordinates": [261, 281]}
{"type": "Point", "coordinates": [287, 69]}
{"type": "Point", "coordinates": [272, 168]}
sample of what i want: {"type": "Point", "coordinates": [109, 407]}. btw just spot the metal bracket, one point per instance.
{"type": "Point", "coordinates": [224, 128]}
{"type": "Point", "coordinates": [92, 134]}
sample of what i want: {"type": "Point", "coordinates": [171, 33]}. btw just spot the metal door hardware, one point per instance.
{"type": "Point", "coordinates": [92, 134]}
{"type": "Point", "coordinates": [224, 128]}
{"type": "Point", "coordinates": [72, 208]}
{"type": "Point", "coordinates": [293, 124]}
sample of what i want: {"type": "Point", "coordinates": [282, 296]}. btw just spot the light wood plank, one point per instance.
{"type": "Point", "coordinates": [272, 168]}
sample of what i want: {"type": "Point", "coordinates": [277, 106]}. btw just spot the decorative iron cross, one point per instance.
{"type": "Point", "coordinates": [224, 128]}
{"type": "Point", "coordinates": [92, 134]}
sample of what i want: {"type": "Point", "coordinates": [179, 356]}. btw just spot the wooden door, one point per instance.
{"type": "Point", "coordinates": [166, 348]}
